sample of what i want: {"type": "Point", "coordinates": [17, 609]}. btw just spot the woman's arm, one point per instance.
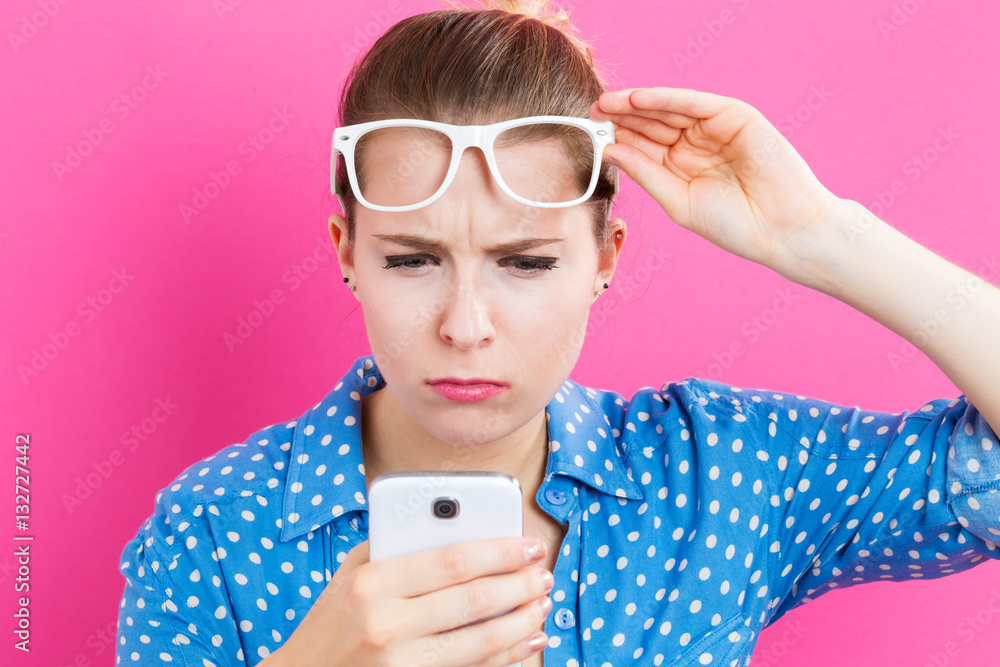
{"type": "Point", "coordinates": [720, 169]}
{"type": "Point", "coordinates": [950, 314]}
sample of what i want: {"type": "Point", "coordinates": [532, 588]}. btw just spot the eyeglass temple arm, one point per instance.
{"type": "Point", "coordinates": [337, 190]}
{"type": "Point", "coordinates": [614, 190]}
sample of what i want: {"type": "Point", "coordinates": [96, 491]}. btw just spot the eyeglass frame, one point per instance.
{"type": "Point", "coordinates": [602, 133]}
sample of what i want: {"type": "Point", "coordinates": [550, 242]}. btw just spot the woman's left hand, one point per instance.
{"type": "Point", "coordinates": [720, 169]}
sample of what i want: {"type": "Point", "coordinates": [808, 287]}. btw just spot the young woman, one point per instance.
{"type": "Point", "coordinates": [672, 526]}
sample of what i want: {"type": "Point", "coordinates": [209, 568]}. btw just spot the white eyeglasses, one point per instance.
{"type": "Point", "coordinates": [405, 164]}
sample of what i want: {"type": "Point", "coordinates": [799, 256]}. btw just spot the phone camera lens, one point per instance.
{"type": "Point", "coordinates": [445, 508]}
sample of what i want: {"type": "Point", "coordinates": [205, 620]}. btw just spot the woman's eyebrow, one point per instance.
{"type": "Point", "coordinates": [511, 248]}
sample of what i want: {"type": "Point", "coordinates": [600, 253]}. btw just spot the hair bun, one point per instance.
{"type": "Point", "coordinates": [546, 11]}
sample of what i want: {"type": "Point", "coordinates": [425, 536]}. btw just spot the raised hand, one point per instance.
{"type": "Point", "coordinates": [720, 169]}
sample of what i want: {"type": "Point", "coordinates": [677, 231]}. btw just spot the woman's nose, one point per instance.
{"type": "Point", "coordinates": [465, 320]}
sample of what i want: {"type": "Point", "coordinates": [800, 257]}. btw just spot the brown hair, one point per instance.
{"type": "Point", "coordinates": [506, 59]}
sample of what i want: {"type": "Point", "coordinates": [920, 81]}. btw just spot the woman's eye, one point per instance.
{"type": "Point", "coordinates": [408, 261]}
{"type": "Point", "coordinates": [522, 264]}
{"type": "Point", "coordinates": [529, 264]}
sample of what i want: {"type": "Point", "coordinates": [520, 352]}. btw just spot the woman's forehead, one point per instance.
{"type": "Point", "coordinates": [483, 226]}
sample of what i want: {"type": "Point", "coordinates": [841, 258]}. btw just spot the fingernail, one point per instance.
{"type": "Point", "coordinates": [533, 552]}
{"type": "Point", "coordinates": [537, 641]}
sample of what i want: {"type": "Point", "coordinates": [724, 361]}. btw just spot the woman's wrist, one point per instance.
{"type": "Point", "coordinates": [827, 258]}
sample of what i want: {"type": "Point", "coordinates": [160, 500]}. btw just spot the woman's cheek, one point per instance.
{"type": "Point", "coordinates": [388, 333]}
{"type": "Point", "coordinates": [555, 328]}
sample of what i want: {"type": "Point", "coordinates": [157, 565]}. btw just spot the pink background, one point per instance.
{"type": "Point", "coordinates": [224, 66]}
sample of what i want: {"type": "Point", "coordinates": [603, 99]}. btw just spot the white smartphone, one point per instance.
{"type": "Point", "coordinates": [413, 511]}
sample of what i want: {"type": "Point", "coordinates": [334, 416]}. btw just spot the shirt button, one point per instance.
{"type": "Point", "coordinates": [555, 496]}
{"type": "Point", "coordinates": [564, 619]}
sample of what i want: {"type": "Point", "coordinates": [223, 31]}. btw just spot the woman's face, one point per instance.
{"type": "Point", "coordinates": [474, 285]}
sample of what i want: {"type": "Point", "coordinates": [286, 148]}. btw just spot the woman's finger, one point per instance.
{"type": "Point", "coordinates": [464, 604]}
{"type": "Point", "coordinates": [666, 188]}
{"type": "Point", "coordinates": [654, 149]}
{"type": "Point", "coordinates": [452, 564]}
{"type": "Point", "coordinates": [651, 128]}
{"type": "Point", "coordinates": [694, 103]}
{"type": "Point", "coordinates": [617, 104]}
{"type": "Point", "coordinates": [513, 628]}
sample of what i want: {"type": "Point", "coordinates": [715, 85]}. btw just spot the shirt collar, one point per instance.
{"type": "Point", "coordinates": [325, 479]}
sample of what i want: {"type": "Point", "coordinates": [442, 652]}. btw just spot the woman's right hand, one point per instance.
{"type": "Point", "coordinates": [410, 610]}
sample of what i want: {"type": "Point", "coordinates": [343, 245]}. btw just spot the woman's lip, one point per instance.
{"type": "Point", "coordinates": [467, 393]}
{"type": "Point", "coordinates": [460, 382]}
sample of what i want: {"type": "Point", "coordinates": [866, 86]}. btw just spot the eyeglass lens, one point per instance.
{"type": "Point", "coordinates": [542, 162]}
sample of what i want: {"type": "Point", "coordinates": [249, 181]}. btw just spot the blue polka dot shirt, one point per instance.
{"type": "Point", "coordinates": [696, 515]}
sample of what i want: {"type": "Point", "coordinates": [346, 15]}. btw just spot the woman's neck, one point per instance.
{"type": "Point", "coordinates": [392, 440]}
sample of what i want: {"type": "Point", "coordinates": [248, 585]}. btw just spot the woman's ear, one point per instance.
{"type": "Point", "coordinates": [345, 251]}
{"type": "Point", "coordinates": [607, 259]}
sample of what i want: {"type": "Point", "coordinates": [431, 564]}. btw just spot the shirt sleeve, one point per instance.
{"type": "Point", "coordinates": [861, 496]}
{"type": "Point", "coordinates": [174, 609]}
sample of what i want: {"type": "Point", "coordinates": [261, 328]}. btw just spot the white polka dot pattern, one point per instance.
{"type": "Point", "coordinates": [697, 515]}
